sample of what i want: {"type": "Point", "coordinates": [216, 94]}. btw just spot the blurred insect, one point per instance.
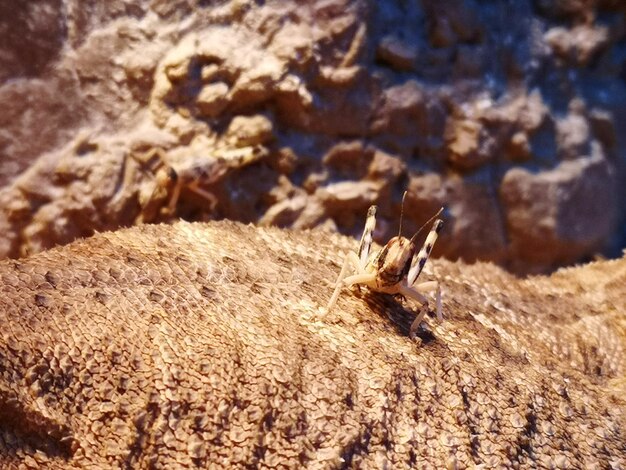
{"type": "Point", "coordinates": [193, 173]}
{"type": "Point", "coordinates": [394, 269]}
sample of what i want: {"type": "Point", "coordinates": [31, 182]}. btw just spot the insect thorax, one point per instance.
{"type": "Point", "coordinates": [393, 262]}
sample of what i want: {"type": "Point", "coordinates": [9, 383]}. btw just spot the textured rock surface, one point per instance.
{"type": "Point", "coordinates": [509, 114]}
{"type": "Point", "coordinates": [197, 345]}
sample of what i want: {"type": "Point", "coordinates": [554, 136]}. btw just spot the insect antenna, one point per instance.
{"type": "Point", "coordinates": [414, 237]}
{"type": "Point", "coordinates": [401, 214]}
{"type": "Point", "coordinates": [419, 260]}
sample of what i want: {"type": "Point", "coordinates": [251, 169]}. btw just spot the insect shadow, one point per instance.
{"type": "Point", "coordinates": [398, 310]}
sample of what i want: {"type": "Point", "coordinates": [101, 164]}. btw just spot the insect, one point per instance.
{"type": "Point", "coordinates": [394, 269]}
{"type": "Point", "coordinates": [189, 173]}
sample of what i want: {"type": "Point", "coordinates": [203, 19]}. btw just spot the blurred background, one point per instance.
{"type": "Point", "coordinates": [511, 114]}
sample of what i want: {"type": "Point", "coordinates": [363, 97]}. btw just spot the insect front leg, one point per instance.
{"type": "Point", "coordinates": [420, 260]}
{"type": "Point", "coordinates": [351, 262]}
{"type": "Point", "coordinates": [367, 238]}
{"type": "Point", "coordinates": [354, 260]}
{"type": "Point", "coordinates": [360, 278]}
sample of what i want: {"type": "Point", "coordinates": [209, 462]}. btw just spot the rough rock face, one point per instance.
{"type": "Point", "coordinates": [201, 345]}
{"type": "Point", "coordinates": [509, 114]}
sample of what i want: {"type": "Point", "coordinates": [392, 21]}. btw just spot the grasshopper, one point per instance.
{"type": "Point", "coordinates": [393, 269]}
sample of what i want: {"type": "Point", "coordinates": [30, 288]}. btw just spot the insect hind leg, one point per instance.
{"type": "Point", "coordinates": [430, 286]}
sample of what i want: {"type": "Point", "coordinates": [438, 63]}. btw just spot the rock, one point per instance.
{"type": "Point", "coordinates": [579, 44]}
{"type": "Point", "coordinates": [468, 144]}
{"type": "Point", "coordinates": [470, 61]}
{"type": "Point", "coordinates": [519, 147]}
{"type": "Point", "coordinates": [342, 76]}
{"type": "Point", "coordinates": [347, 202]}
{"type": "Point", "coordinates": [442, 33]}
{"type": "Point", "coordinates": [573, 136]}
{"type": "Point", "coordinates": [603, 128]}
{"type": "Point", "coordinates": [57, 101]}
{"type": "Point", "coordinates": [284, 213]}
{"type": "Point", "coordinates": [385, 167]}
{"type": "Point", "coordinates": [403, 109]}
{"type": "Point", "coordinates": [563, 9]}
{"type": "Point", "coordinates": [454, 23]}
{"type": "Point", "coordinates": [233, 62]}
{"type": "Point", "coordinates": [245, 131]}
{"type": "Point", "coordinates": [315, 215]}
{"type": "Point", "coordinates": [348, 159]}
{"type": "Point", "coordinates": [285, 160]}
{"type": "Point", "coordinates": [348, 195]}
{"type": "Point", "coordinates": [363, 93]}
{"type": "Point", "coordinates": [213, 99]}
{"type": "Point", "coordinates": [473, 225]}
{"type": "Point", "coordinates": [397, 53]}
{"type": "Point", "coordinates": [409, 121]}
{"type": "Point", "coordinates": [558, 216]}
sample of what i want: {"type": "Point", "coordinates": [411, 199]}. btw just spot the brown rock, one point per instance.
{"type": "Point", "coordinates": [348, 195]}
{"type": "Point", "coordinates": [57, 101]}
{"type": "Point", "coordinates": [284, 213]}
{"type": "Point", "coordinates": [469, 145]}
{"type": "Point", "coordinates": [385, 167]}
{"type": "Point", "coordinates": [557, 216]}
{"type": "Point", "coordinates": [245, 131]}
{"type": "Point", "coordinates": [315, 215]}
{"type": "Point", "coordinates": [454, 88]}
{"type": "Point", "coordinates": [410, 122]}
{"type": "Point", "coordinates": [348, 159]}
{"type": "Point", "coordinates": [213, 99]}
{"type": "Point", "coordinates": [565, 8]}
{"type": "Point", "coordinates": [403, 109]}
{"type": "Point", "coordinates": [519, 147]}
{"type": "Point", "coordinates": [469, 203]}
{"type": "Point", "coordinates": [347, 202]}
{"type": "Point", "coordinates": [397, 53]}
{"type": "Point", "coordinates": [340, 76]}
{"type": "Point", "coordinates": [442, 33]}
